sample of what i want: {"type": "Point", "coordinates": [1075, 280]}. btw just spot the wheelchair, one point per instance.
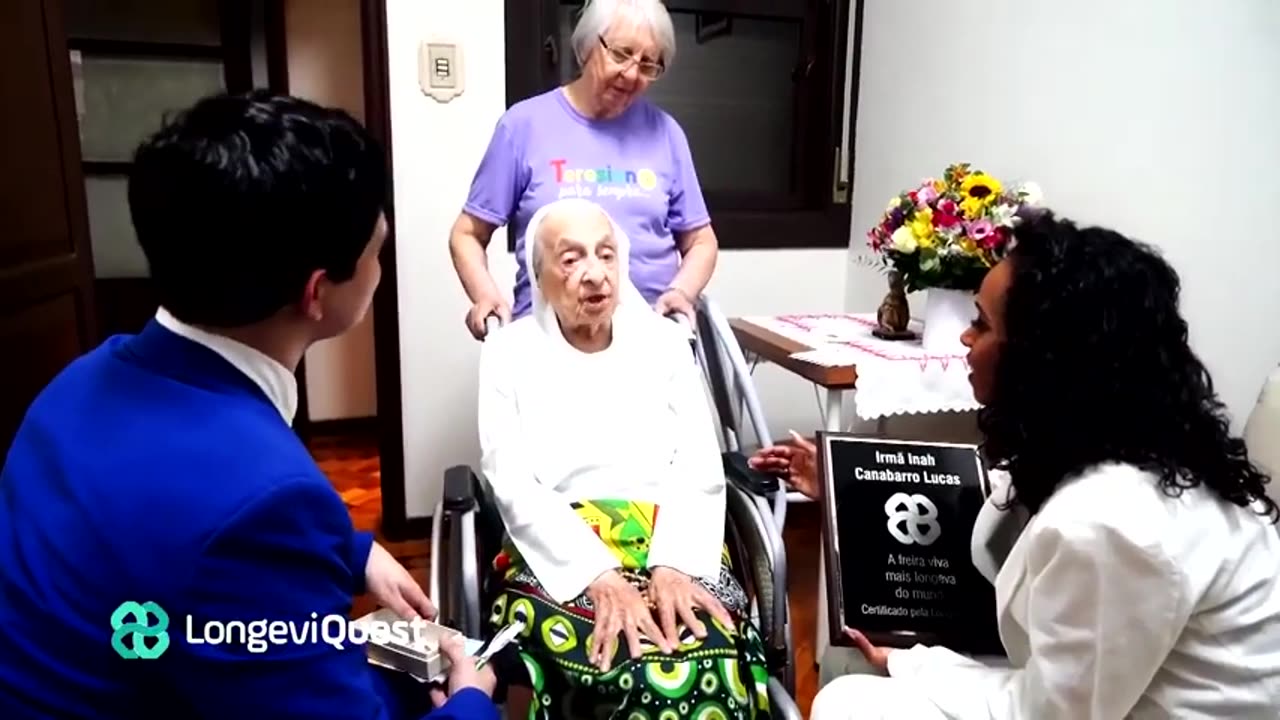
{"type": "Point", "coordinates": [467, 531]}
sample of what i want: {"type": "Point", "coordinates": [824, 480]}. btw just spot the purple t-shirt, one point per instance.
{"type": "Point", "coordinates": [637, 166]}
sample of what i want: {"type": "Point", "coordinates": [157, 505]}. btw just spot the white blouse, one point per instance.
{"type": "Point", "coordinates": [1118, 601]}
{"type": "Point", "coordinates": [632, 422]}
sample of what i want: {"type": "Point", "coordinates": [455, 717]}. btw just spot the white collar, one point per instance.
{"type": "Point", "coordinates": [279, 385]}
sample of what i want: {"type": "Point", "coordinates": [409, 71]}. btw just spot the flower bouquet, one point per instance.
{"type": "Point", "coordinates": [944, 236]}
{"type": "Point", "coordinates": [948, 232]}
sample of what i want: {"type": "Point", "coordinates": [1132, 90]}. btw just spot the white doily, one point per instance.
{"type": "Point", "coordinates": [894, 377]}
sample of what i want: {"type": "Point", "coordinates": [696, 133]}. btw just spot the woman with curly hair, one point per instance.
{"type": "Point", "coordinates": [1146, 582]}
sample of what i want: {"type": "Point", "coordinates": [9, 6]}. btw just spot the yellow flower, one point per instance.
{"type": "Point", "coordinates": [978, 190]}
{"type": "Point", "coordinates": [904, 241]}
{"type": "Point", "coordinates": [922, 227]}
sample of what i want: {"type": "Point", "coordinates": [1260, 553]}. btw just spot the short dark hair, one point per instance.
{"type": "Point", "coordinates": [1096, 367]}
{"type": "Point", "coordinates": [237, 200]}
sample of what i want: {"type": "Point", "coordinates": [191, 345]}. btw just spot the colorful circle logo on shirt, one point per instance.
{"type": "Point", "coordinates": [646, 179]}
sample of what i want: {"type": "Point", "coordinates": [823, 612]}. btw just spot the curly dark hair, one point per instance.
{"type": "Point", "coordinates": [1096, 367]}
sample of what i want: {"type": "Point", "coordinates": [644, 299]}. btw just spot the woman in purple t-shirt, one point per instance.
{"type": "Point", "coordinates": [595, 138]}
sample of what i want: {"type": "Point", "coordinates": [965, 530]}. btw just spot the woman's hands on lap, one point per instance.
{"type": "Point", "coordinates": [619, 609]}
{"type": "Point", "coordinates": [676, 595]}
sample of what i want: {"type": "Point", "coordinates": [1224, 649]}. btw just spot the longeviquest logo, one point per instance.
{"type": "Point", "coordinates": [132, 625]}
{"type": "Point", "coordinates": [912, 519]}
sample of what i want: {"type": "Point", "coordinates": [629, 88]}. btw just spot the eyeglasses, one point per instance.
{"type": "Point", "coordinates": [648, 69]}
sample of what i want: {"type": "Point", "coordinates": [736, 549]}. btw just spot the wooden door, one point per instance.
{"type": "Point", "coordinates": [46, 267]}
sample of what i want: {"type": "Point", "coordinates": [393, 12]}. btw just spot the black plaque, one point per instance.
{"type": "Point", "coordinates": [898, 521]}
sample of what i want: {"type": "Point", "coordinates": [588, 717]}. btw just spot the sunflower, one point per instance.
{"type": "Point", "coordinates": [977, 191]}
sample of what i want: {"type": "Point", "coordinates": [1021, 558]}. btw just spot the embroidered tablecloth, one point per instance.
{"type": "Point", "coordinates": [894, 377]}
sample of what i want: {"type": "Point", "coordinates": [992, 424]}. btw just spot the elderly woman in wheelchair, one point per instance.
{"type": "Point", "coordinates": [599, 450]}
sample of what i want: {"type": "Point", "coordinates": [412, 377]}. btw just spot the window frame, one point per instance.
{"type": "Point", "coordinates": [818, 214]}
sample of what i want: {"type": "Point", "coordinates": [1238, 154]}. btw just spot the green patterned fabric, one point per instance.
{"type": "Point", "coordinates": [721, 676]}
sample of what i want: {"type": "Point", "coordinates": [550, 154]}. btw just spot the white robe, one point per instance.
{"type": "Point", "coordinates": [631, 422]}
{"type": "Point", "coordinates": [1116, 601]}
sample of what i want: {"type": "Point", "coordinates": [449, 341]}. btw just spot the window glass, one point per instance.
{"type": "Point", "coordinates": [732, 92]}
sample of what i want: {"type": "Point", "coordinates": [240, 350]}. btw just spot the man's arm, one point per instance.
{"type": "Point", "coordinates": [358, 558]}
{"type": "Point", "coordinates": [689, 533]}
{"type": "Point", "coordinates": [467, 704]}
{"type": "Point", "coordinates": [562, 550]}
{"type": "Point", "coordinates": [283, 559]}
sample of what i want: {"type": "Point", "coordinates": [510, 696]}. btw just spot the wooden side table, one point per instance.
{"type": "Point", "coordinates": [835, 382]}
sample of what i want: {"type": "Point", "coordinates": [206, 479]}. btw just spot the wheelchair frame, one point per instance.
{"type": "Point", "coordinates": [467, 522]}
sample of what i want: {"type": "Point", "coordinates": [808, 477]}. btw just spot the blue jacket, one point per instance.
{"type": "Point", "coordinates": [152, 470]}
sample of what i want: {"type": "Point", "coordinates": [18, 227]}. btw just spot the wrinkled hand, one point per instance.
{"type": "Point", "coordinates": [877, 657]}
{"type": "Point", "coordinates": [483, 308]}
{"type": "Point", "coordinates": [394, 587]}
{"type": "Point", "coordinates": [795, 460]}
{"type": "Point", "coordinates": [619, 608]}
{"type": "Point", "coordinates": [675, 301]}
{"type": "Point", "coordinates": [462, 673]}
{"type": "Point", "coordinates": [675, 594]}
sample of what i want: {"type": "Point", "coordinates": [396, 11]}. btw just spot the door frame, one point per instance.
{"type": "Point", "coordinates": [396, 525]}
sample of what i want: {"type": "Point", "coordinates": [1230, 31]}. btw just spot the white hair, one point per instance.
{"type": "Point", "coordinates": [598, 15]}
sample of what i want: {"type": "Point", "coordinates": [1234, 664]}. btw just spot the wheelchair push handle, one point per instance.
{"type": "Point", "coordinates": [680, 319]}
{"type": "Point", "coordinates": [491, 324]}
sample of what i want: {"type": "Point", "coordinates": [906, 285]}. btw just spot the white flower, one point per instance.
{"type": "Point", "coordinates": [895, 202]}
{"type": "Point", "coordinates": [1031, 193]}
{"type": "Point", "coordinates": [904, 241]}
{"type": "Point", "coordinates": [1002, 215]}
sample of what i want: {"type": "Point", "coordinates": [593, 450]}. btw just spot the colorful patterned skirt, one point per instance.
{"type": "Point", "coordinates": [720, 677]}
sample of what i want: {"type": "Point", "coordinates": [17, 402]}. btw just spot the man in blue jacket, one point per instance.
{"type": "Point", "coordinates": [157, 480]}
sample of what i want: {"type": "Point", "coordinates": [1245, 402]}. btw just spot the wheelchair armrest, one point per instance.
{"type": "Point", "coordinates": [456, 569]}
{"type": "Point", "coordinates": [747, 478]}
{"type": "Point", "coordinates": [461, 486]}
{"type": "Point", "coordinates": [753, 526]}
{"type": "Point", "coordinates": [784, 707]}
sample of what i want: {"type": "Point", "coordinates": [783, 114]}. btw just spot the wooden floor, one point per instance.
{"type": "Point", "coordinates": [353, 467]}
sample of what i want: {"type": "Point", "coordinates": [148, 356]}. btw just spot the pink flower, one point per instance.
{"type": "Point", "coordinates": [926, 194]}
{"type": "Point", "coordinates": [948, 207]}
{"type": "Point", "coordinates": [982, 232]}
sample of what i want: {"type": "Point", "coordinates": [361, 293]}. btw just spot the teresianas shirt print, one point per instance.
{"type": "Point", "coordinates": [604, 182]}
{"type": "Point", "coordinates": [637, 166]}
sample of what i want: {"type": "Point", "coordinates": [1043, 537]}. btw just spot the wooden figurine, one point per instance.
{"type": "Point", "coordinates": [894, 313]}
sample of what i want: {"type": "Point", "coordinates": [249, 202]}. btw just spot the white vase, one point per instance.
{"type": "Point", "coordinates": [947, 313]}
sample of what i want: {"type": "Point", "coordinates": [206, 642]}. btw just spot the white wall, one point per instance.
{"type": "Point", "coordinates": [436, 148]}
{"type": "Point", "coordinates": [1155, 117]}
{"type": "Point", "coordinates": [322, 38]}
